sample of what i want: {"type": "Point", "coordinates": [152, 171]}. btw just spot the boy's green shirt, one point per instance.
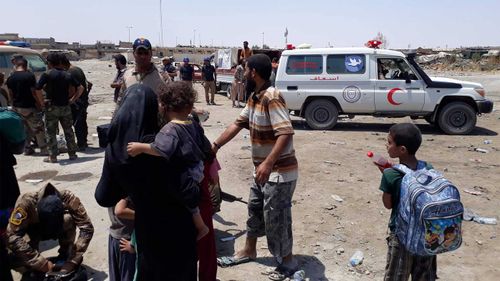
{"type": "Point", "coordinates": [391, 183]}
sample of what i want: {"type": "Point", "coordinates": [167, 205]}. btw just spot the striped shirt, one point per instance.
{"type": "Point", "coordinates": [267, 118]}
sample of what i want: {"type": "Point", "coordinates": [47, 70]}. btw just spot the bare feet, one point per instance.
{"type": "Point", "coordinates": [202, 232]}
{"type": "Point", "coordinates": [252, 254]}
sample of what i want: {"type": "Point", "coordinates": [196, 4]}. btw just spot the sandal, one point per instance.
{"type": "Point", "coordinates": [50, 159]}
{"type": "Point", "coordinates": [232, 261]}
{"type": "Point", "coordinates": [281, 273]}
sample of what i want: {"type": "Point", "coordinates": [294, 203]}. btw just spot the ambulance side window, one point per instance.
{"type": "Point", "coordinates": [304, 64]}
{"type": "Point", "coordinates": [5, 61]}
{"type": "Point", "coordinates": [394, 69]}
{"type": "Point", "coordinates": [346, 64]}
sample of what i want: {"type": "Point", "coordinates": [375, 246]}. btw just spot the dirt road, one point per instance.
{"type": "Point", "coordinates": [326, 232]}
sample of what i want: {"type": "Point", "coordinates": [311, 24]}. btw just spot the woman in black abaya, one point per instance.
{"type": "Point", "coordinates": [166, 237]}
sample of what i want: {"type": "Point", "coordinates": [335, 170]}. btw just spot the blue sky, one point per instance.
{"type": "Point", "coordinates": [428, 23]}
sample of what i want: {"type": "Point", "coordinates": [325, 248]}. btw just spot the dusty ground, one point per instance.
{"type": "Point", "coordinates": [331, 163]}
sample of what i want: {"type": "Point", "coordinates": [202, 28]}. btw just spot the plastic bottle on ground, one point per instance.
{"type": "Point", "coordinates": [299, 275]}
{"type": "Point", "coordinates": [357, 258]}
{"type": "Point", "coordinates": [379, 160]}
{"type": "Point", "coordinates": [483, 220]}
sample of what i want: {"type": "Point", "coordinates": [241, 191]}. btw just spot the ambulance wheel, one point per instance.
{"type": "Point", "coordinates": [457, 118]}
{"type": "Point", "coordinates": [321, 114]}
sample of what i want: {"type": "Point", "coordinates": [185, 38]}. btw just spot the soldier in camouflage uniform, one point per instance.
{"type": "Point", "coordinates": [61, 89]}
{"type": "Point", "coordinates": [79, 108]}
{"type": "Point", "coordinates": [48, 214]}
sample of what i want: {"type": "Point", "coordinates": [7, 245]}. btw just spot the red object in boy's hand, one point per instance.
{"type": "Point", "coordinates": [381, 162]}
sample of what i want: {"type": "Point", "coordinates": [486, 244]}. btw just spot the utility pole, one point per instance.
{"type": "Point", "coordinates": [194, 37]}
{"type": "Point", "coordinates": [161, 26]}
{"type": "Point", "coordinates": [262, 40]}
{"type": "Point", "coordinates": [129, 28]}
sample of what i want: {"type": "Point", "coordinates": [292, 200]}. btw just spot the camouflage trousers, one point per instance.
{"type": "Point", "coordinates": [33, 124]}
{"type": "Point", "coordinates": [53, 116]}
{"type": "Point", "coordinates": [270, 214]}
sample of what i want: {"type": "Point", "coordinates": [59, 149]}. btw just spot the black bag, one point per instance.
{"type": "Point", "coordinates": [80, 274]}
{"type": "Point", "coordinates": [102, 133]}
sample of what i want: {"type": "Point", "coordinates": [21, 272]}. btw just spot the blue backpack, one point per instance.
{"type": "Point", "coordinates": [429, 219]}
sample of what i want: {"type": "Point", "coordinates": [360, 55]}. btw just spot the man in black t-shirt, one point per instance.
{"type": "Point", "coordinates": [209, 78]}
{"type": "Point", "coordinates": [25, 101]}
{"type": "Point", "coordinates": [79, 108]}
{"type": "Point", "coordinates": [61, 90]}
{"type": "Point", "coordinates": [186, 71]}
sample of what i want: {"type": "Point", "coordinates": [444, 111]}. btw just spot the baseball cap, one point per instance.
{"type": "Point", "coordinates": [142, 43]}
{"type": "Point", "coordinates": [185, 60]}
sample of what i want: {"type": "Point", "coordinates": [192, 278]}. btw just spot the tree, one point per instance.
{"type": "Point", "coordinates": [381, 37]}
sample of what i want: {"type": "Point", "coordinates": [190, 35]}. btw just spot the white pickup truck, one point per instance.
{"type": "Point", "coordinates": [321, 84]}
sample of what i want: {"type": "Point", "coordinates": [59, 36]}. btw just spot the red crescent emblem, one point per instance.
{"type": "Point", "coordinates": [390, 98]}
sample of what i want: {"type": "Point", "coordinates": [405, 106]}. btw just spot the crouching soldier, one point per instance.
{"type": "Point", "coordinates": [43, 215]}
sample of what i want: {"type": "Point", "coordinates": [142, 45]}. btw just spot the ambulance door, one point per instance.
{"type": "Point", "coordinates": [398, 88]}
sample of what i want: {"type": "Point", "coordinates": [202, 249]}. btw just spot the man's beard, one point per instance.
{"type": "Point", "coordinates": [250, 86]}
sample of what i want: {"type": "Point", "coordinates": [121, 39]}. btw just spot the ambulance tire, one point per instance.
{"type": "Point", "coordinates": [321, 114]}
{"type": "Point", "coordinates": [457, 118]}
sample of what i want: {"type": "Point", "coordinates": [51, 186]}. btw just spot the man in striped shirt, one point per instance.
{"type": "Point", "coordinates": [275, 176]}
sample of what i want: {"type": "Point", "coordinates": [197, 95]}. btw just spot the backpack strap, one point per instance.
{"type": "Point", "coordinates": [405, 170]}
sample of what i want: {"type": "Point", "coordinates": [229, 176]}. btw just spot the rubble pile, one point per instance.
{"type": "Point", "coordinates": [452, 61]}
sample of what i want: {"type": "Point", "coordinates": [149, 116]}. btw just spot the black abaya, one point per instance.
{"type": "Point", "coordinates": [166, 237]}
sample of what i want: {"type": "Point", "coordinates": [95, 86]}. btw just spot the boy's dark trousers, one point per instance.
{"type": "Point", "coordinates": [79, 114]}
{"type": "Point", "coordinates": [121, 264]}
{"type": "Point", "coordinates": [401, 264]}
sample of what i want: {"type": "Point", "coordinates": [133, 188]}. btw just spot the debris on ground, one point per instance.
{"type": "Point", "coordinates": [337, 198]}
{"type": "Point", "coordinates": [482, 150]}
{"type": "Point", "coordinates": [470, 215]}
{"type": "Point", "coordinates": [226, 239]}
{"type": "Point", "coordinates": [476, 193]}
{"type": "Point", "coordinates": [34, 181]}
{"type": "Point", "coordinates": [356, 259]}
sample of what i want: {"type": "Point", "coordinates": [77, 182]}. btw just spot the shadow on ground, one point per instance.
{"type": "Point", "coordinates": [91, 150]}
{"type": "Point", "coordinates": [301, 125]}
{"type": "Point", "coordinates": [226, 248]}
{"type": "Point", "coordinates": [95, 275]}
{"type": "Point", "coordinates": [80, 159]}
{"type": "Point", "coordinates": [313, 267]}
{"type": "Point", "coordinates": [73, 177]}
{"type": "Point", "coordinates": [41, 175]}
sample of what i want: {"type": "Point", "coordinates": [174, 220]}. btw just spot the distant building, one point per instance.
{"type": "Point", "coordinates": [127, 45]}
{"type": "Point", "coordinates": [9, 37]}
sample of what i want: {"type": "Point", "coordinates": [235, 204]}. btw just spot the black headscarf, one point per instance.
{"type": "Point", "coordinates": [135, 121]}
{"type": "Point", "coordinates": [136, 118]}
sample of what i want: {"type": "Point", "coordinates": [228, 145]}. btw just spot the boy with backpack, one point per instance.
{"type": "Point", "coordinates": [425, 207]}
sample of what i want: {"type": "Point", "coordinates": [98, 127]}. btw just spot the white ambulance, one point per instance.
{"type": "Point", "coordinates": [321, 84]}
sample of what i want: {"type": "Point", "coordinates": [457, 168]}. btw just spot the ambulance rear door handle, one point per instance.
{"type": "Point", "coordinates": [411, 88]}
{"type": "Point", "coordinates": [382, 88]}
{"type": "Point", "coordinates": [292, 88]}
